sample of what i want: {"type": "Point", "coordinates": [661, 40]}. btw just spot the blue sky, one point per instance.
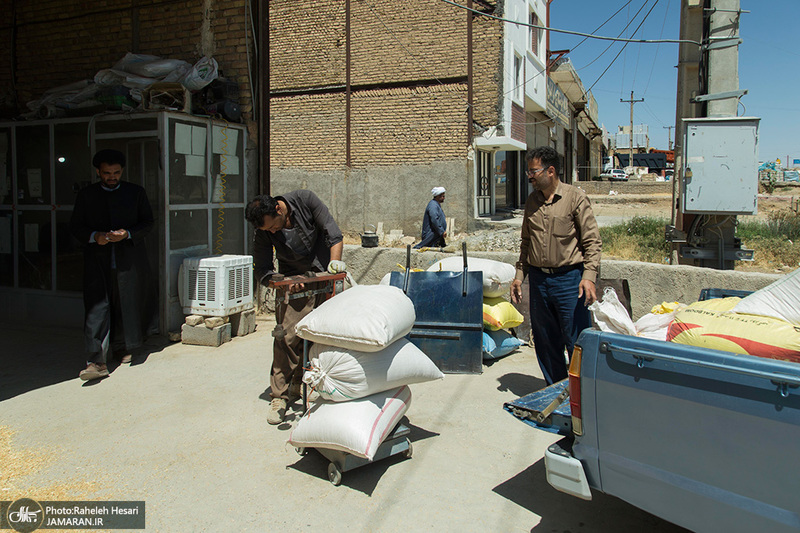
{"type": "Point", "coordinates": [769, 65]}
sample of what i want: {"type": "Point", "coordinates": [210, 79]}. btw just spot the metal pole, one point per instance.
{"type": "Point", "coordinates": [631, 101]}
{"type": "Point", "coordinates": [263, 100]}
{"type": "Point", "coordinates": [348, 161]}
{"type": "Point", "coordinates": [469, 73]}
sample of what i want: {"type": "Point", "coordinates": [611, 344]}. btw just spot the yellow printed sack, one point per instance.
{"type": "Point", "coordinates": [500, 314]}
{"type": "Point", "coordinates": [712, 324]}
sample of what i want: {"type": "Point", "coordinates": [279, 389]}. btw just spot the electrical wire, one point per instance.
{"type": "Point", "coordinates": [638, 56]}
{"type": "Point", "coordinates": [620, 51]}
{"type": "Point", "coordinates": [570, 32]}
{"type": "Point", "coordinates": [543, 72]}
{"type": "Point", "coordinates": [223, 167]}
{"type": "Point", "coordinates": [253, 87]}
{"type": "Point", "coordinates": [613, 43]}
{"type": "Point", "coordinates": [653, 66]}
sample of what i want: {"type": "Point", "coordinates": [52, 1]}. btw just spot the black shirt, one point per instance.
{"type": "Point", "coordinates": [303, 247]}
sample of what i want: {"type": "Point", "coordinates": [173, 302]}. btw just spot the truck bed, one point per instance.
{"type": "Point", "coordinates": [703, 438]}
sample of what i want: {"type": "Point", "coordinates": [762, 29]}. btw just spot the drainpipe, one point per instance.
{"type": "Point", "coordinates": [348, 161]}
{"type": "Point", "coordinates": [469, 73]}
{"type": "Point", "coordinates": [263, 100]}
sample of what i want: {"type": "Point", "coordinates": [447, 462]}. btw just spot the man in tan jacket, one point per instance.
{"type": "Point", "coordinates": [560, 252]}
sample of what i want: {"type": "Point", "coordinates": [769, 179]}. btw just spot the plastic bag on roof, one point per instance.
{"type": "Point", "coordinates": [201, 74]}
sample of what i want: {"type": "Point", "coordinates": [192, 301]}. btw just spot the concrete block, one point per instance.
{"type": "Point", "coordinates": [243, 323]}
{"type": "Point", "coordinates": [202, 336]}
{"type": "Point", "coordinates": [194, 320]}
{"type": "Point", "coordinates": [214, 322]}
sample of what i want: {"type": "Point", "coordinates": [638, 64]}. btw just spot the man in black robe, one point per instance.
{"type": "Point", "coordinates": [111, 218]}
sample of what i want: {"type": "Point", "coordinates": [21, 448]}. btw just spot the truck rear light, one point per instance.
{"type": "Point", "coordinates": [575, 390]}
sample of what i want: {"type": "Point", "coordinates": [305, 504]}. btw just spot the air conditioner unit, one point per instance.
{"type": "Point", "coordinates": [218, 285]}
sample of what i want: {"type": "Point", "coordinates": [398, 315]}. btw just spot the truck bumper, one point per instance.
{"type": "Point", "coordinates": [564, 472]}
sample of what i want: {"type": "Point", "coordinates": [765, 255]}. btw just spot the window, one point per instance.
{"type": "Point", "coordinates": [534, 20]}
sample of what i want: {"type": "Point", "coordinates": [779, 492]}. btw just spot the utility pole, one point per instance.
{"type": "Point", "coordinates": [669, 135]}
{"type": "Point", "coordinates": [631, 101]}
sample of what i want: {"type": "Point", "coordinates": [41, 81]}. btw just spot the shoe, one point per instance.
{"type": "Point", "coordinates": [295, 392]}
{"type": "Point", "coordinates": [93, 371]}
{"type": "Point", "coordinates": [125, 359]}
{"type": "Point", "coordinates": [277, 410]}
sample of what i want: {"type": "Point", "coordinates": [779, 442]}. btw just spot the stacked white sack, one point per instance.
{"type": "Point", "coordinates": [358, 363]}
{"type": "Point", "coordinates": [357, 427]}
{"type": "Point", "coordinates": [339, 375]}
{"type": "Point", "coordinates": [365, 318]}
{"type": "Point", "coordinates": [497, 276]}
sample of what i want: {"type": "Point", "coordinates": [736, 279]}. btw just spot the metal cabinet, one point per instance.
{"type": "Point", "coordinates": [195, 175]}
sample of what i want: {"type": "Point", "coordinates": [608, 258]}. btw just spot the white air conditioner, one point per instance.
{"type": "Point", "coordinates": [218, 285]}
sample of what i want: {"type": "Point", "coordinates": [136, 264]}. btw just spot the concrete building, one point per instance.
{"type": "Point", "coordinates": [584, 145]}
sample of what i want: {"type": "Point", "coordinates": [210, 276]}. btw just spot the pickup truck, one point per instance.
{"type": "Point", "coordinates": [706, 439]}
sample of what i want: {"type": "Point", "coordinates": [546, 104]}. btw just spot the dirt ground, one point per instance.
{"type": "Point", "coordinates": [658, 205]}
{"type": "Point", "coordinates": [610, 210]}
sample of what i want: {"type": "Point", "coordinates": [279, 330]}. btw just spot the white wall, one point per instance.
{"type": "Point", "coordinates": [517, 42]}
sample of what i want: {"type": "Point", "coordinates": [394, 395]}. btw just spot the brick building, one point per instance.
{"type": "Point", "coordinates": [371, 104]}
{"type": "Point", "coordinates": [374, 152]}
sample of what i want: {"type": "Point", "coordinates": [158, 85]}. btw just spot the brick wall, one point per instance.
{"type": "Point", "coordinates": [63, 41]}
{"type": "Point", "coordinates": [517, 122]}
{"type": "Point", "coordinates": [307, 43]}
{"type": "Point", "coordinates": [487, 59]}
{"type": "Point", "coordinates": [398, 114]}
{"type": "Point", "coordinates": [307, 131]}
{"type": "Point", "coordinates": [409, 126]}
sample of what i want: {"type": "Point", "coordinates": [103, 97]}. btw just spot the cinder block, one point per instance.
{"type": "Point", "coordinates": [202, 336]}
{"type": "Point", "coordinates": [194, 320]}
{"type": "Point", "coordinates": [243, 323]}
{"type": "Point", "coordinates": [214, 322]}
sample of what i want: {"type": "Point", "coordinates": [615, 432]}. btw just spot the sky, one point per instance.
{"type": "Point", "coordinates": [769, 65]}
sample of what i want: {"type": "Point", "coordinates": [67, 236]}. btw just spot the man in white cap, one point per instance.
{"type": "Point", "coordinates": [434, 225]}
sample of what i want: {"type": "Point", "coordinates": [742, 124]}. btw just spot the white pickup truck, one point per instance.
{"type": "Point", "coordinates": [615, 174]}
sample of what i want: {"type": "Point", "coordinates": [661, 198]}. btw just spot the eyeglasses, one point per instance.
{"type": "Point", "coordinates": [533, 171]}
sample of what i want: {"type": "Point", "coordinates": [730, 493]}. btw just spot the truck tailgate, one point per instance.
{"type": "Point", "coordinates": [528, 408]}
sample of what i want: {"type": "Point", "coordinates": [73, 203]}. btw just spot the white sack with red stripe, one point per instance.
{"type": "Point", "coordinates": [357, 427]}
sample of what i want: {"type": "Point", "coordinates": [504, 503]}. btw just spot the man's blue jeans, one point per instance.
{"type": "Point", "coordinates": [557, 317]}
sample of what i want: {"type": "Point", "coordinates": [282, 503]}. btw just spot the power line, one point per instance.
{"type": "Point", "coordinates": [540, 73]}
{"type": "Point", "coordinates": [620, 33]}
{"type": "Point", "coordinates": [570, 32]}
{"type": "Point", "coordinates": [653, 66]}
{"type": "Point", "coordinates": [638, 55]}
{"type": "Point", "coordinates": [621, 50]}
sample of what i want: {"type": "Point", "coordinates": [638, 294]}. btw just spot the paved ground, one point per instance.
{"type": "Point", "coordinates": [184, 429]}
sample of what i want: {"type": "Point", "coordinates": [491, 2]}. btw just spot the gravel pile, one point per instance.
{"type": "Point", "coordinates": [504, 240]}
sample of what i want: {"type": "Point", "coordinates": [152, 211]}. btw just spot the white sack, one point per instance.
{"type": "Point", "coordinates": [780, 300]}
{"type": "Point", "coordinates": [341, 375]}
{"type": "Point", "coordinates": [357, 427]}
{"type": "Point", "coordinates": [611, 316]}
{"type": "Point", "coordinates": [365, 318]}
{"type": "Point", "coordinates": [497, 276]}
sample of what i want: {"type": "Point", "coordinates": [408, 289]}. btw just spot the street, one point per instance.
{"type": "Point", "coordinates": [185, 431]}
